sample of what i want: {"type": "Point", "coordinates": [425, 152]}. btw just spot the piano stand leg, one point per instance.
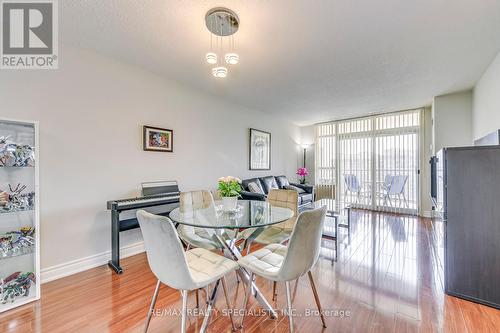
{"type": "Point", "coordinates": [115, 267]}
{"type": "Point", "coordinates": [114, 263]}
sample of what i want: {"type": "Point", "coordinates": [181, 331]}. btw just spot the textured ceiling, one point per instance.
{"type": "Point", "coordinates": [308, 60]}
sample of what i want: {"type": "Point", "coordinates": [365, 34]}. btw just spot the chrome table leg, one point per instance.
{"type": "Point", "coordinates": [234, 253]}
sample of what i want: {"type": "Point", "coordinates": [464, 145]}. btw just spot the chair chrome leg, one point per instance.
{"type": "Point", "coordinates": [210, 305]}
{"type": "Point", "coordinates": [228, 303]}
{"type": "Point", "coordinates": [247, 298]}
{"type": "Point", "coordinates": [274, 290]}
{"type": "Point", "coordinates": [316, 298]}
{"type": "Point", "coordinates": [207, 294]}
{"type": "Point", "coordinates": [184, 310]}
{"type": "Point", "coordinates": [197, 298]}
{"type": "Point", "coordinates": [289, 306]}
{"type": "Point", "coordinates": [152, 306]}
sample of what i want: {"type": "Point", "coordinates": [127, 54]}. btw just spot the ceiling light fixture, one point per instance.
{"type": "Point", "coordinates": [232, 58]}
{"type": "Point", "coordinates": [219, 72]}
{"type": "Point", "coordinates": [222, 23]}
{"type": "Point", "coordinates": [211, 58]}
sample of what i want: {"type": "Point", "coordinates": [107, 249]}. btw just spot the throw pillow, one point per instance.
{"type": "Point", "coordinates": [295, 188]}
{"type": "Point", "coordinates": [255, 188]}
{"type": "Point", "coordinates": [282, 181]}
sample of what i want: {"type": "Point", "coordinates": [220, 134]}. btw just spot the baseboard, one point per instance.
{"type": "Point", "coordinates": [79, 265]}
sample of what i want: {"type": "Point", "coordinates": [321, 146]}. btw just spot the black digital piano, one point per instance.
{"type": "Point", "coordinates": [153, 194]}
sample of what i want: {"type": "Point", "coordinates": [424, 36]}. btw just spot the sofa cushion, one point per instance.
{"type": "Point", "coordinates": [282, 181]}
{"type": "Point", "coordinates": [268, 183]}
{"type": "Point", "coordinates": [255, 187]}
{"type": "Point", "coordinates": [305, 198]}
{"type": "Point", "coordinates": [295, 188]}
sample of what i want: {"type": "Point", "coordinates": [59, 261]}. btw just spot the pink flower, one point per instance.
{"type": "Point", "coordinates": [302, 172]}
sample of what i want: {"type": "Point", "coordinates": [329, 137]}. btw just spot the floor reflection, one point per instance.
{"type": "Point", "coordinates": [387, 261]}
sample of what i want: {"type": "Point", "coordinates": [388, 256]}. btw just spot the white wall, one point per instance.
{"type": "Point", "coordinates": [91, 113]}
{"type": "Point", "coordinates": [452, 120]}
{"type": "Point", "coordinates": [486, 114]}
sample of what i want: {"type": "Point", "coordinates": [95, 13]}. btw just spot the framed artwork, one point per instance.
{"type": "Point", "coordinates": [260, 150]}
{"type": "Point", "coordinates": [158, 139]}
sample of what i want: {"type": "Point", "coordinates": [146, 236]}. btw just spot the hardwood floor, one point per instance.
{"type": "Point", "coordinates": [388, 279]}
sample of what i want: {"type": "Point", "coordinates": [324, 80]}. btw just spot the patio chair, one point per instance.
{"type": "Point", "coordinates": [384, 187]}
{"type": "Point", "coordinates": [396, 189]}
{"type": "Point", "coordinates": [353, 185]}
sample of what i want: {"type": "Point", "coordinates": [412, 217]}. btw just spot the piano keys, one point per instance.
{"type": "Point", "coordinates": [153, 194]}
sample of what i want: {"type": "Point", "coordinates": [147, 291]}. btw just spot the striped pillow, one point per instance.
{"type": "Point", "coordinates": [255, 188]}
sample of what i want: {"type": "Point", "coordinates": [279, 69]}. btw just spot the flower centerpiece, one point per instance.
{"type": "Point", "coordinates": [302, 172]}
{"type": "Point", "coordinates": [229, 189]}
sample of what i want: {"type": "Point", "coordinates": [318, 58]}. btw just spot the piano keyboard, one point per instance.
{"type": "Point", "coordinates": [141, 202]}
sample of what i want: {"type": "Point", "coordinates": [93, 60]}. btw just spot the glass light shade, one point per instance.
{"type": "Point", "coordinates": [211, 58]}
{"type": "Point", "coordinates": [232, 58]}
{"type": "Point", "coordinates": [219, 72]}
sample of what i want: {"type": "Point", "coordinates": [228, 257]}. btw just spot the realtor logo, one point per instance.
{"type": "Point", "coordinates": [29, 34]}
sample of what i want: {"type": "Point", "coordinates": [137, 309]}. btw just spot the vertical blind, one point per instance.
{"type": "Point", "coordinates": [371, 162]}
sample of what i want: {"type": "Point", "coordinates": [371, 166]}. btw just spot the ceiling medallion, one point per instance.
{"type": "Point", "coordinates": [222, 23]}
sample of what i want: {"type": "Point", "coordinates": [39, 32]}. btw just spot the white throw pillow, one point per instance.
{"type": "Point", "coordinates": [255, 188]}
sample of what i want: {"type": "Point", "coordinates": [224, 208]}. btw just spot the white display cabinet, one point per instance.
{"type": "Point", "coordinates": [19, 214]}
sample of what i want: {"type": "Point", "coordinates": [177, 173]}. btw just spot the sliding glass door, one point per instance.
{"type": "Point", "coordinates": [397, 162]}
{"type": "Point", "coordinates": [355, 161]}
{"type": "Point", "coordinates": [371, 162]}
{"type": "Point", "coordinates": [325, 165]}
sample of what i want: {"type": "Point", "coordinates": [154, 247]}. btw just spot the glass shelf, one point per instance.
{"type": "Point", "coordinates": [21, 300]}
{"type": "Point", "coordinates": [17, 167]}
{"type": "Point", "coordinates": [22, 252]}
{"type": "Point", "coordinates": [16, 210]}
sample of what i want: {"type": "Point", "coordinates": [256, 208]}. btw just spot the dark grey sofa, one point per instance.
{"type": "Point", "coordinates": [277, 182]}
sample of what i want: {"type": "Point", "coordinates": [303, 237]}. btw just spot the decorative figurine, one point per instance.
{"type": "Point", "coordinates": [18, 200]}
{"type": "Point", "coordinates": [15, 241]}
{"type": "Point", "coordinates": [4, 198]}
{"type": "Point", "coordinates": [16, 285]}
{"type": "Point", "coordinates": [5, 245]}
{"type": "Point", "coordinates": [12, 154]}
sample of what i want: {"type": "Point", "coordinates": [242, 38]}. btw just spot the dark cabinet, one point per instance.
{"type": "Point", "coordinates": [470, 188]}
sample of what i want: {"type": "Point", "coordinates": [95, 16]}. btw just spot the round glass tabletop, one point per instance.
{"type": "Point", "coordinates": [248, 214]}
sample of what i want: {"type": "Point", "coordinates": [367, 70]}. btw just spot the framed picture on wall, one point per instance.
{"type": "Point", "coordinates": [158, 139]}
{"type": "Point", "coordinates": [260, 150]}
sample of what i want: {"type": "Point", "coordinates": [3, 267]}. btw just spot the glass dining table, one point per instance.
{"type": "Point", "coordinates": [230, 229]}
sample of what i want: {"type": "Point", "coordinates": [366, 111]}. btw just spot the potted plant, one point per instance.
{"type": "Point", "coordinates": [229, 189]}
{"type": "Point", "coordinates": [302, 172]}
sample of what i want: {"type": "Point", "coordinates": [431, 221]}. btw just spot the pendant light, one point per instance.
{"type": "Point", "coordinates": [222, 23]}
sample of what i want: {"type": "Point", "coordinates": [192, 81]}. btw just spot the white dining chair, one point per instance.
{"type": "Point", "coordinates": [281, 232]}
{"type": "Point", "coordinates": [193, 236]}
{"type": "Point", "coordinates": [278, 233]}
{"type": "Point", "coordinates": [179, 269]}
{"type": "Point", "coordinates": [280, 263]}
